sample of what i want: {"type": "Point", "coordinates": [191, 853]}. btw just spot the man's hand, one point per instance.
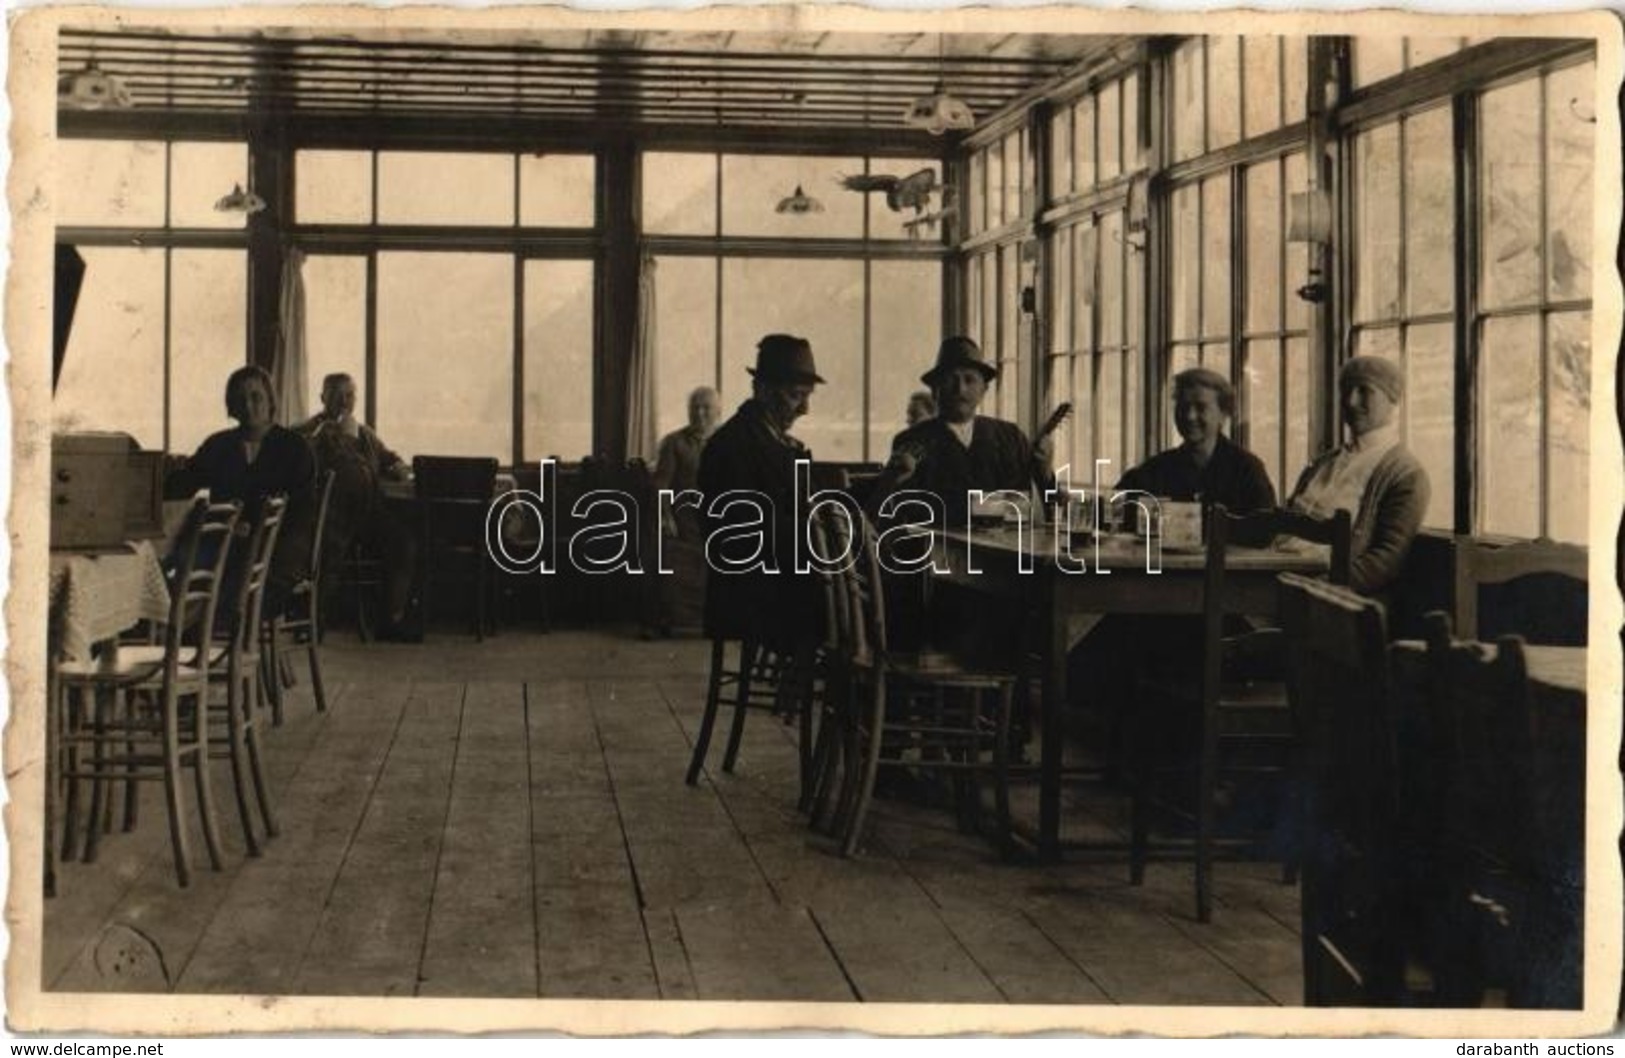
{"type": "Point", "coordinates": [905, 459]}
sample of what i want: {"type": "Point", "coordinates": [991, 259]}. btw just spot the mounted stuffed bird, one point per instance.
{"type": "Point", "coordinates": [902, 192]}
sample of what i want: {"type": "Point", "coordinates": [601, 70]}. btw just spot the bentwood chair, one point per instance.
{"type": "Point", "coordinates": [125, 720]}
{"type": "Point", "coordinates": [920, 712]}
{"type": "Point", "coordinates": [1357, 900]}
{"type": "Point", "coordinates": [1230, 699]}
{"type": "Point", "coordinates": [454, 495]}
{"type": "Point", "coordinates": [299, 626]}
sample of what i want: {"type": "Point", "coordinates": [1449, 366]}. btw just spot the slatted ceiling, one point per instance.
{"type": "Point", "coordinates": [741, 79]}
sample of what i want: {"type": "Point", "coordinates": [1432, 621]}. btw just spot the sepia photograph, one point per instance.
{"type": "Point", "coordinates": [807, 517]}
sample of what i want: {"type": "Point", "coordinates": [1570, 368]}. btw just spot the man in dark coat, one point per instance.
{"type": "Point", "coordinates": [753, 591]}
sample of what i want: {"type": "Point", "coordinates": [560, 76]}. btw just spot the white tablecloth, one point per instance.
{"type": "Point", "coordinates": [95, 597]}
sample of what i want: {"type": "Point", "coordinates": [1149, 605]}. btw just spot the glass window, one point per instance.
{"type": "Point", "coordinates": [1216, 255]}
{"type": "Point", "coordinates": [1422, 50]}
{"type": "Point", "coordinates": [685, 335]}
{"type": "Point", "coordinates": [1264, 246]}
{"type": "Point", "coordinates": [1084, 143]}
{"type": "Point", "coordinates": [976, 196]}
{"type": "Point", "coordinates": [680, 193]}
{"type": "Point", "coordinates": [1510, 436]}
{"type": "Point", "coordinates": [110, 183]}
{"type": "Point", "coordinates": [557, 190]}
{"type": "Point", "coordinates": [443, 187]}
{"type": "Point", "coordinates": [1111, 132]}
{"type": "Point", "coordinates": [1509, 124]}
{"type": "Point", "coordinates": [1261, 58]}
{"type": "Point", "coordinates": [433, 307]}
{"type": "Point", "coordinates": [1568, 424]}
{"type": "Point", "coordinates": [333, 187]}
{"type": "Point", "coordinates": [1429, 413]}
{"type": "Point", "coordinates": [113, 372]}
{"type": "Point", "coordinates": [1430, 226]}
{"type": "Point", "coordinates": [1295, 68]}
{"type": "Point", "coordinates": [1189, 131]}
{"type": "Point", "coordinates": [905, 313]}
{"type": "Point", "coordinates": [208, 327]}
{"type": "Point", "coordinates": [1259, 423]}
{"type": "Point", "coordinates": [820, 300]}
{"type": "Point", "coordinates": [200, 174]}
{"type": "Point", "coordinates": [1223, 91]}
{"type": "Point", "coordinates": [1569, 168]}
{"type": "Point", "coordinates": [558, 359]}
{"type": "Point", "coordinates": [1060, 140]}
{"type": "Point", "coordinates": [1133, 132]}
{"type": "Point", "coordinates": [753, 185]}
{"type": "Point", "coordinates": [336, 324]}
{"type": "Point", "coordinates": [1377, 223]}
{"type": "Point", "coordinates": [1187, 258]}
{"type": "Point", "coordinates": [1377, 58]}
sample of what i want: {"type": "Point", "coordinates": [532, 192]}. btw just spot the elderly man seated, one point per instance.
{"type": "Point", "coordinates": [1373, 476]}
{"type": "Point", "coordinates": [356, 512]}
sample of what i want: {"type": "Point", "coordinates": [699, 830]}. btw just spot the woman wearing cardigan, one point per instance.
{"type": "Point", "coordinates": [1373, 476]}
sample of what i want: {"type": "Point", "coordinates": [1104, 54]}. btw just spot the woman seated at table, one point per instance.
{"type": "Point", "coordinates": [1373, 476]}
{"type": "Point", "coordinates": [253, 460]}
{"type": "Point", "coordinates": [1208, 466]}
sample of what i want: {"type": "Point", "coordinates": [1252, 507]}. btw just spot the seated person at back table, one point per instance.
{"type": "Point", "coordinates": [677, 468]}
{"type": "Point", "coordinates": [1373, 476]}
{"type": "Point", "coordinates": [1208, 467]}
{"type": "Point", "coordinates": [356, 511]}
{"type": "Point", "coordinates": [253, 460]}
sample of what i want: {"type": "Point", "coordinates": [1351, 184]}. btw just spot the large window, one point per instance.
{"type": "Point", "coordinates": [869, 301]}
{"type": "Point", "coordinates": [160, 321]}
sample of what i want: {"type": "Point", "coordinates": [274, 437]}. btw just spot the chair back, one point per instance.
{"type": "Point", "coordinates": [1339, 687]}
{"type": "Point", "coordinates": [254, 572]}
{"type": "Point", "coordinates": [1538, 590]}
{"type": "Point", "coordinates": [860, 597]}
{"type": "Point", "coordinates": [323, 501]}
{"type": "Point", "coordinates": [194, 594]}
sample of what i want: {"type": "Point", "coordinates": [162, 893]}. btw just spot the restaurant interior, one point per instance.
{"type": "Point", "coordinates": [392, 755]}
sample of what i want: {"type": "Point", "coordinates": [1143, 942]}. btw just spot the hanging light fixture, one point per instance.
{"type": "Point", "coordinates": [91, 89]}
{"type": "Point", "coordinates": [799, 203]}
{"type": "Point", "coordinates": [938, 112]}
{"type": "Point", "coordinates": [239, 201]}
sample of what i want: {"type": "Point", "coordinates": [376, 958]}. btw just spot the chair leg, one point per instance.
{"type": "Point", "coordinates": [804, 740]}
{"type": "Point", "coordinates": [316, 686]}
{"type": "Point", "coordinates": [132, 788]}
{"type": "Point", "coordinates": [871, 764]}
{"type": "Point", "coordinates": [72, 725]}
{"type": "Point", "coordinates": [1206, 772]}
{"type": "Point", "coordinates": [748, 653]}
{"type": "Point", "coordinates": [172, 800]}
{"type": "Point", "coordinates": [53, 771]}
{"type": "Point", "coordinates": [1139, 811]}
{"type": "Point", "coordinates": [713, 695]}
{"type": "Point", "coordinates": [236, 703]}
{"type": "Point", "coordinates": [262, 790]}
{"type": "Point", "coordinates": [205, 799]}
{"type": "Point", "coordinates": [1001, 772]}
{"type": "Point", "coordinates": [99, 768]}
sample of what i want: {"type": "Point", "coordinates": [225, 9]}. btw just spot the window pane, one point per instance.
{"type": "Point", "coordinates": [1029, 188]}
{"type": "Point", "coordinates": [1062, 295]}
{"type": "Point", "coordinates": [1111, 132]}
{"type": "Point", "coordinates": [1012, 178]}
{"type": "Point", "coordinates": [1295, 66]}
{"type": "Point", "coordinates": [990, 303]}
{"type": "Point", "coordinates": [1109, 414]}
{"type": "Point", "coordinates": [1216, 255]}
{"type": "Point", "coordinates": [200, 173]}
{"type": "Point", "coordinates": [208, 320]}
{"type": "Point", "coordinates": [1262, 70]}
{"type": "Point", "coordinates": [1087, 269]}
{"type": "Point", "coordinates": [1376, 58]}
{"type": "Point", "coordinates": [431, 306]}
{"type": "Point", "coordinates": [110, 182]}
{"type": "Point", "coordinates": [1569, 169]}
{"type": "Point", "coordinates": [821, 301]}
{"type": "Point", "coordinates": [1009, 331]}
{"type": "Point", "coordinates": [333, 187]}
{"type": "Point", "coordinates": [686, 333]}
{"type": "Point", "coordinates": [680, 193]}
{"type": "Point", "coordinates": [1264, 247]}
{"type": "Point", "coordinates": [1132, 413]}
{"type": "Point", "coordinates": [1187, 93]}
{"type": "Point", "coordinates": [753, 185]}
{"type": "Point", "coordinates": [558, 359]}
{"type": "Point", "coordinates": [888, 223]}
{"type": "Point", "coordinates": [1083, 418]}
{"type": "Point", "coordinates": [1111, 279]}
{"type": "Point", "coordinates": [1262, 392]}
{"type": "Point", "coordinates": [905, 311]}
{"type": "Point", "coordinates": [1187, 253]}
{"type": "Point", "coordinates": [1216, 357]}
{"type": "Point", "coordinates": [113, 372]}
{"type": "Point", "coordinates": [1377, 341]}
{"type": "Point", "coordinates": [1223, 91]}
{"type": "Point", "coordinates": [1297, 253]}
{"type": "Point", "coordinates": [1423, 50]}
{"type": "Point", "coordinates": [556, 190]}
{"type": "Point", "coordinates": [1133, 154]}
{"type": "Point", "coordinates": [336, 324]}
{"type": "Point", "coordinates": [444, 187]}
{"type": "Point", "coordinates": [1084, 141]}
{"type": "Point", "coordinates": [1297, 412]}
{"type": "Point", "coordinates": [1376, 162]}
{"type": "Point", "coordinates": [1060, 140]}
{"type": "Point", "coordinates": [1569, 423]}
{"type": "Point", "coordinates": [1509, 130]}
{"type": "Point", "coordinates": [995, 185]}
{"type": "Point", "coordinates": [973, 299]}
{"type": "Point", "coordinates": [1430, 225]}
{"type": "Point", "coordinates": [976, 197]}
{"type": "Point", "coordinates": [1509, 427]}
{"type": "Point", "coordinates": [1430, 414]}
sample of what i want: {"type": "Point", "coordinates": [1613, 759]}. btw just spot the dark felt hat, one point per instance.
{"type": "Point", "coordinates": [784, 358]}
{"type": "Point", "coordinates": [958, 352]}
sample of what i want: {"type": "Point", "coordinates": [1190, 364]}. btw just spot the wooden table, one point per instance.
{"type": "Point", "coordinates": [1069, 604]}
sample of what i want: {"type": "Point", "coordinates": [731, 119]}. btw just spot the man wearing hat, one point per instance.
{"type": "Point", "coordinates": [754, 452]}
{"type": "Point", "coordinates": [1373, 476]}
{"type": "Point", "coordinates": [959, 450]}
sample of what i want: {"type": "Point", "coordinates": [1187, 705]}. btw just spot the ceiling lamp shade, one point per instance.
{"type": "Point", "coordinates": [799, 203]}
{"type": "Point", "coordinates": [239, 201]}
{"type": "Point", "coordinates": [939, 112]}
{"type": "Point", "coordinates": [91, 89]}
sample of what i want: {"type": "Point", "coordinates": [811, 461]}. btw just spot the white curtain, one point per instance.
{"type": "Point", "coordinates": [641, 439]}
{"type": "Point", "coordinates": [291, 372]}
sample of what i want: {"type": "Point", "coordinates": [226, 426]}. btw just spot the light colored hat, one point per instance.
{"type": "Point", "coordinates": [1376, 371]}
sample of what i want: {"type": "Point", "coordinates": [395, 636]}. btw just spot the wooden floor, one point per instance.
{"type": "Point", "coordinates": [510, 819]}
